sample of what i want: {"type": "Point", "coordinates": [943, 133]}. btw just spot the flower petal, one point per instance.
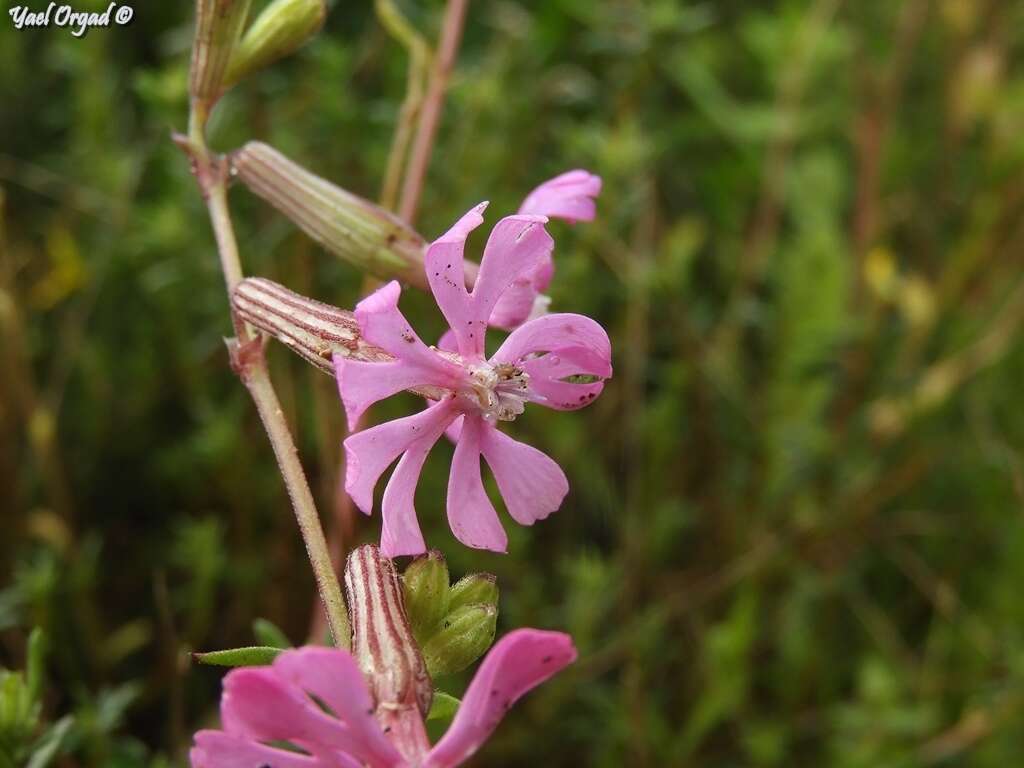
{"type": "Point", "coordinates": [334, 677]}
{"type": "Point", "coordinates": [448, 342]}
{"type": "Point", "coordinates": [516, 664]}
{"type": "Point", "coordinates": [370, 452]}
{"type": "Point", "coordinates": [518, 246]}
{"type": "Point", "coordinates": [382, 323]}
{"type": "Point", "coordinates": [471, 515]}
{"type": "Point", "coordinates": [531, 483]}
{"type": "Point", "coordinates": [361, 384]}
{"type": "Point", "coordinates": [256, 703]}
{"type": "Point", "coordinates": [443, 262]}
{"type": "Point", "coordinates": [548, 373]}
{"type": "Point", "coordinates": [542, 275]}
{"type": "Point", "coordinates": [400, 533]}
{"type": "Point", "coordinates": [520, 301]}
{"type": "Point", "coordinates": [216, 749]}
{"type": "Point", "coordinates": [569, 196]}
{"type": "Point", "coordinates": [515, 249]}
{"type": "Point", "coordinates": [554, 333]}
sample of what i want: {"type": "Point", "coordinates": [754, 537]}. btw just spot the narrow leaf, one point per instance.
{"type": "Point", "coordinates": [251, 656]}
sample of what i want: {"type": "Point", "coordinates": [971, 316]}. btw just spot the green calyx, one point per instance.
{"type": "Point", "coordinates": [453, 625]}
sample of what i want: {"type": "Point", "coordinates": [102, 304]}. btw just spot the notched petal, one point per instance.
{"type": "Point", "coordinates": [569, 196]}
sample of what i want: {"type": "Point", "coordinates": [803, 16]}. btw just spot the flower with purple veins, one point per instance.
{"type": "Point", "coordinates": [542, 361]}
{"type": "Point", "coordinates": [338, 729]}
{"type": "Point", "coordinates": [569, 196]}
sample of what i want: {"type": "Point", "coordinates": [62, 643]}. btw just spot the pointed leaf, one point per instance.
{"type": "Point", "coordinates": [251, 656]}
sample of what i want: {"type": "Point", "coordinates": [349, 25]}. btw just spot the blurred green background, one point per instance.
{"type": "Point", "coordinates": [795, 532]}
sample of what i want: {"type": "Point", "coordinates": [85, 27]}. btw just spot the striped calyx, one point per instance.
{"type": "Point", "coordinates": [382, 641]}
{"type": "Point", "coordinates": [219, 25]}
{"type": "Point", "coordinates": [315, 331]}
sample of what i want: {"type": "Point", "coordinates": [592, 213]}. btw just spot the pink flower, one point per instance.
{"type": "Point", "coordinates": [532, 365]}
{"type": "Point", "coordinates": [275, 704]}
{"type": "Point", "coordinates": [569, 196]}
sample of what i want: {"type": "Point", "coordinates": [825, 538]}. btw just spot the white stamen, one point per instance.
{"type": "Point", "coordinates": [499, 391]}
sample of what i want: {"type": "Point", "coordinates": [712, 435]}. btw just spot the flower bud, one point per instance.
{"type": "Point", "coordinates": [219, 24]}
{"type": "Point", "coordinates": [364, 234]}
{"type": "Point", "coordinates": [464, 637]}
{"type": "Point", "coordinates": [282, 28]}
{"type": "Point", "coordinates": [475, 588]}
{"type": "Point", "coordinates": [382, 641]}
{"type": "Point", "coordinates": [426, 593]}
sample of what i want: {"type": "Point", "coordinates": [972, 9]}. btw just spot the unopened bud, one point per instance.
{"type": "Point", "coordinates": [364, 234]}
{"type": "Point", "coordinates": [219, 24]}
{"type": "Point", "coordinates": [382, 641]}
{"type": "Point", "coordinates": [475, 588]}
{"type": "Point", "coordinates": [463, 637]}
{"type": "Point", "coordinates": [426, 593]}
{"type": "Point", "coordinates": [282, 28]}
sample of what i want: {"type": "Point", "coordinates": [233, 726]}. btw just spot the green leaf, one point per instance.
{"type": "Point", "coordinates": [250, 656]}
{"type": "Point", "coordinates": [269, 634]}
{"type": "Point", "coordinates": [443, 707]}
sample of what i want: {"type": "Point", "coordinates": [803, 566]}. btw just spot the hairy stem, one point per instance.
{"type": "Point", "coordinates": [250, 364]}
{"type": "Point", "coordinates": [227, 247]}
{"type": "Point", "coordinates": [252, 368]}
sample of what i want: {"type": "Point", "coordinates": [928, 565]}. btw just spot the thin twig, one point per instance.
{"type": "Point", "coordinates": [405, 34]}
{"type": "Point", "coordinates": [451, 32]}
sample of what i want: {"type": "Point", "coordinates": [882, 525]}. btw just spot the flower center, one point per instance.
{"type": "Point", "coordinates": [499, 391]}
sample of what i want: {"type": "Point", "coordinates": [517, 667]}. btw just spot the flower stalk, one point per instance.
{"type": "Point", "coordinates": [218, 26]}
{"type": "Point", "coordinates": [249, 362]}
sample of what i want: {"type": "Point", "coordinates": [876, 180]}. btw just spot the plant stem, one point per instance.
{"type": "Point", "coordinates": [249, 362]}
{"type": "Point", "coordinates": [400, 29]}
{"type": "Point", "coordinates": [227, 247]}
{"type": "Point", "coordinates": [256, 378]}
{"type": "Point", "coordinates": [419, 159]}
